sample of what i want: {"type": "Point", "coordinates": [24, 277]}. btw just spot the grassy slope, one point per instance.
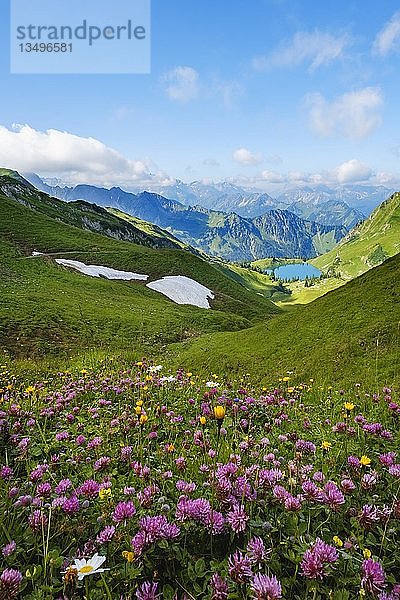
{"type": "Point", "coordinates": [347, 335]}
{"type": "Point", "coordinates": [46, 307]}
{"type": "Point", "coordinates": [146, 227]}
{"type": "Point", "coordinates": [358, 252]}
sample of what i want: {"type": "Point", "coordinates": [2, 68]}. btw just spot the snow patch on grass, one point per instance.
{"type": "Point", "coordinates": [100, 271]}
{"type": "Point", "coordinates": [183, 290]}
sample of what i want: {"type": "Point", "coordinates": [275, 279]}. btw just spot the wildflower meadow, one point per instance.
{"type": "Point", "coordinates": [143, 484]}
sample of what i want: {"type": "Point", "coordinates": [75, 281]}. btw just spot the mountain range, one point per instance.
{"type": "Point", "coordinates": [337, 205]}
{"type": "Point", "coordinates": [277, 232]}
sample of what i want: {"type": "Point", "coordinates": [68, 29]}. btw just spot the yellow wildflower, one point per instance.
{"type": "Point", "coordinates": [326, 445]}
{"type": "Point", "coordinates": [219, 412]}
{"type": "Point", "coordinates": [349, 406]}
{"type": "Point", "coordinates": [105, 494]}
{"type": "Point", "coordinates": [129, 556]}
{"type": "Point", "coordinates": [367, 553]}
{"type": "Point", "coordinates": [203, 420]}
{"type": "Point", "coordinates": [30, 389]}
{"type": "Point", "coordinates": [337, 541]}
{"type": "Point", "coordinates": [143, 419]}
{"type": "Point", "coordinates": [365, 461]}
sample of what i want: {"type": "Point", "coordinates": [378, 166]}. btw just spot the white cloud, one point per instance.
{"type": "Point", "coordinates": [354, 114]}
{"type": "Point", "coordinates": [388, 38]}
{"type": "Point", "coordinates": [73, 158]}
{"type": "Point", "coordinates": [352, 171]}
{"type": "Point", "coordinates": [181, 84]}
{"type": "Point", "coordinates": [315, 49]}
{"type": "Point", "coordinates": [273, 177]}
{"type": "Point", "coordinates": [387, 179]}
{"type": "Point", "coordinates": [246, 158]}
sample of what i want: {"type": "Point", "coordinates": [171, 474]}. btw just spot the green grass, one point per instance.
{"type": "Point", "coordinates": [147, 227]}
{"type": "Point", "coordinates": [47, 308]}
{"type": "Point", "coordinates": [350, 334]}
{"type": "Point", "coordinates": [368, 244]}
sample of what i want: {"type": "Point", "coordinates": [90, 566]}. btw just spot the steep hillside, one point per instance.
{"type": "Point", "coordinates": [147, 227]}
{"type": "Point", "coordinates": [81, 214]}
{"type": "Point", "coordinates": [368, 245]}
{"type": "Point", "coordinates": [47, 307]}
{"type": "Point", "coordinates": [349, 335]}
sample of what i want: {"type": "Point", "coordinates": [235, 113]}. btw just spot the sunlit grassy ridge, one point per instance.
{"type": "Point", "coordinates": [147, 227]}
{"type": "Point", "coordinates": [349, 334]}
{"type": "Point", "coordinates": [369, 244]}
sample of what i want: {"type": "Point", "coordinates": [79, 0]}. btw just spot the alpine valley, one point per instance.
{"type": "Point", "coordinates": [236, 224]}
{"type": "Point", "coordinates": [51, 307]}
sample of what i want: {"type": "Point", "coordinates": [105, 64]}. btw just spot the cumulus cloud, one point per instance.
{"type": "Point", "coordinates": [244, 157]}
{"type": "Point", "coordinates": [181, 84]}
{"type": "Point", "coordinates": [316, 49]}
{"type": "Point", "coordinates": [386, 179]}
{"type": "Point", "coordinates": [273, 177]}
{"type": "Point", "coordinates": [352, 171]}
{"type": "Point", "coordinates": [354, 114]}
{"type": "Point", "coordinates": [388, 39]}
{"type": "Point", "coordinates": [73, 158]}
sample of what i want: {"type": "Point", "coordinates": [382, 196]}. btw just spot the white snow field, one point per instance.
{"type": "Point", "coordinates": [183, 290]}
{"type": "Point", "coordinates": [179, 288]}
{"type": "Point", "coordinates": [99, 271]}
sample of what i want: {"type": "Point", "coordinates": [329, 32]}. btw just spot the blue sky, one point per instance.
{"type": "Point", "coordinates": [266, 92]}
